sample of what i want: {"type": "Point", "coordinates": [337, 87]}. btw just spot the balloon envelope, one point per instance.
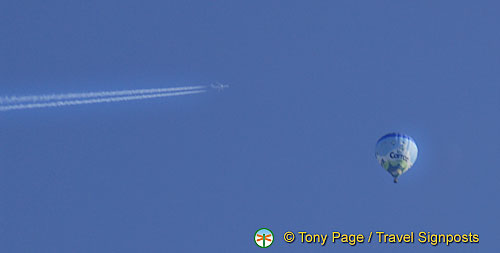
{"type": "Point", "coordinates": [396, 153]}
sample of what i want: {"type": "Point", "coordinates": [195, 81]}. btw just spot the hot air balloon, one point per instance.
{"type": "Point", "coordinates": [396, 153]}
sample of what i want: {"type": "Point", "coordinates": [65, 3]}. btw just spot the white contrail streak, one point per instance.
{"type": "Point", "coordinates": [79, 96]}
{"type": "Point", "coordinates": [95, 100]}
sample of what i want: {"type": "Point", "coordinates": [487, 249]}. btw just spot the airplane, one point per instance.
{"type": "Point", "coordinates": [219, 86]}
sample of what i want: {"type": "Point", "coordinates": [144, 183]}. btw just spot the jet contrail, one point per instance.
{"type": "Point", "coordinates": [101, 100]}
{"type": "Point", "coordinates": [100, 94]}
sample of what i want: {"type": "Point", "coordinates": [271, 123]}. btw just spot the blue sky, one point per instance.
{"type": "Point", "coordinates": [290, 146]}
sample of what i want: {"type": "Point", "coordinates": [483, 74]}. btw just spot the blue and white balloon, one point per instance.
{"type": "Point", "coordinates": [396, 153]}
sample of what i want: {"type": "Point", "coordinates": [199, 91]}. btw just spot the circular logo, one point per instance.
{"type": "Point", "coordinates": [264, 237]}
